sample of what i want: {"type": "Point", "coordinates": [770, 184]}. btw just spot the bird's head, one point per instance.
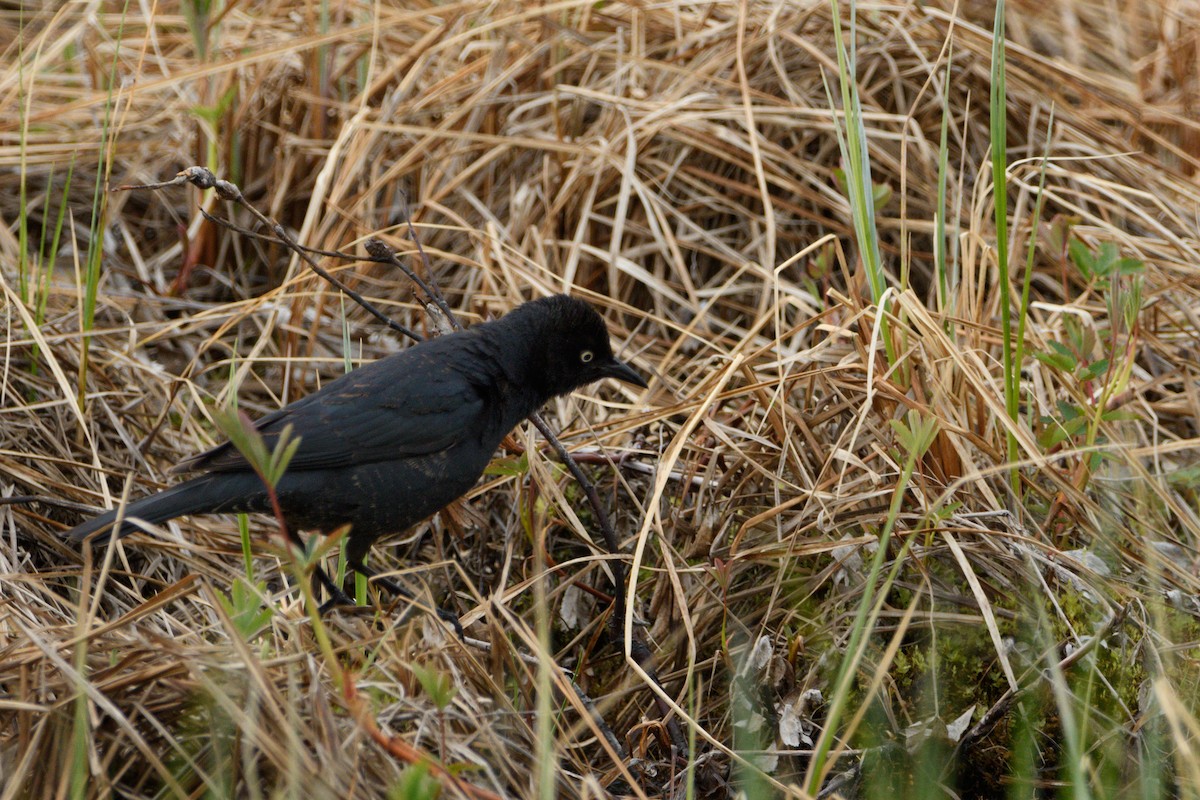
{"type": "Point", "coordinates": [570, 347]}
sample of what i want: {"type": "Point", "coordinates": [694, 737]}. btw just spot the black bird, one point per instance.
{"type": "Point", "coordinates": [387, 445]}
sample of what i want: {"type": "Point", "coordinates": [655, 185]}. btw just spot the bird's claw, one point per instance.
{"type": "Point", "coordinates": [452, 619]}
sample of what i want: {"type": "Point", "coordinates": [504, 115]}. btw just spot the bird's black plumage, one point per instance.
{"type": "Point", "coordinates": [394, 441]}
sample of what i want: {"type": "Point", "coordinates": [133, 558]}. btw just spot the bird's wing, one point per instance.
{"type": "Point", "coordinates": [397, 407]}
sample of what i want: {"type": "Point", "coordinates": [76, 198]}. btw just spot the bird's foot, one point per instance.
{"type": "Point", "coordinates": [450, 617]}
{"type": "Point", "coordinates": [445, 615]}
{"type": "Point", "coordinates": [337, 598]}
{"type": "Point", "coordinates": [396, 590]}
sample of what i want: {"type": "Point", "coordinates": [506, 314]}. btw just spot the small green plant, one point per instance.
{"type": "Point", "coordinates": [914, 436]}
{"type": "Point", "coordinates": [861, 191]}
{"type": "Point", "coordinates": [360, 580]}
{"type": "Point", "coordinates": [35, 283]}
{"type": "Point", "coordinates": [436, 684]}
{"type": "Point", "coordinates": [244, 602]}
{"type": "Point", "coordinates": [1101, 266]}
{"type": "Point", "coordinates": [441, 691]}
{"type": "Point", "coordinates": [197, 13]}
{"type": "Point", "coordinates": [415, 783]}
{"type": "Point", "coordinates": [210, 117]}
{"type": "Point", "coordinates": [818, 269]}
{"type": "Point", "coordinates": [1094, 381]}
{"type": "Point", "coordinates": [269, 464]}
{"type": "Point", "coordinates": [205, 749]}
{"type": "Point", "coordinates": [752, 731]}
{"type": "Point", "coordinates": [245, 608]}
{"type": "Point", "coordinates": [98, 224]}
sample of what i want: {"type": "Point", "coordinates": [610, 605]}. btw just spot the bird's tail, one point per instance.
{"type": "Point", "coordinates": [202, 495]}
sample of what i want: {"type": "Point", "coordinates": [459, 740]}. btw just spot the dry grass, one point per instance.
{"type": "Point", "coordinates": [676, 164]}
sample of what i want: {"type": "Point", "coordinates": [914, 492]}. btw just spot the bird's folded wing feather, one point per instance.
{"type": "Point", "coordinates": [376, 413]}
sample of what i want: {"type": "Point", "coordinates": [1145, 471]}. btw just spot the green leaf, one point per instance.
{"type": "Point", "coordinates": [1058, 232]}
{"type": "Point", "coordinates": [1129, 266]}
{"type": "Point", "coordinates": [1063, 358]}
{"type": "Point", "coordinates": [1081, 256]}
{"type": "Point", "coordinates": [1052, 436]}
{"type": "Point", "coordinates": [415, 783]}
{"type": "Point", "coordinates": [917, 436]}
{"type": "Point", "coordinates": [1062, 350]}
{"type": "Point", "coordinates": [508, 467]}
{"type": "Point", "coordinates": [244, 436]}
{"type": "Point", "coordinates": [1094, 370]}
{"type": "Point", "coordinates": [212, 114]}
{"type": "Point", "coordinates": [1105, 259]}
{"type": "Point", "coordinates": [1057, 361]}
{"type": "Point", "coordinates": [1068, 411]}
{"type": "Point", "coordinates": [245, 607]}
{"type": "Point", "coordinates": [1184, 478]}
{"type": "Point", "coordinates": [281, 456]}
{"type": "Point", "coordinates": [839, 177]}
{"type": "Point", "coordinates": [436, 684]}
{"type": "Point", "coordinates": [881, 193]}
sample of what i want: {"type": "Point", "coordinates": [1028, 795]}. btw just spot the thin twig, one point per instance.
{"type": "Point", "coordinates": [204, 179]}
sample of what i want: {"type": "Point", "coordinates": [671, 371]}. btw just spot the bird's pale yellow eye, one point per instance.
{"type": "Point", "coordinates": [586, 356]}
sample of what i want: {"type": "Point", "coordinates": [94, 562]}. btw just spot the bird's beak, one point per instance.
{"type": "Point", "coordinates": [623, 372]}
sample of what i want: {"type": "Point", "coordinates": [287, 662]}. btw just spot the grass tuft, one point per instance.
{"type": "Point", "coordinates": [966, 570]}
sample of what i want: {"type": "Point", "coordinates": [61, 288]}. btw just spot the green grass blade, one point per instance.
{"type": "Point", "coordinates": [998, 109]}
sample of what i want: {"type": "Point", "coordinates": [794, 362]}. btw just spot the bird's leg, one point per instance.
{"type": "Point", "coordinates": [337, 597]}
{"type": "Point", "coordinates": [396, 590]}
{"type": "Point", "coordinates": [321, 578]}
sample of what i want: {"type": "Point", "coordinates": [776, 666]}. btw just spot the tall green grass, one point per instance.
{"type": "Point", "coordinates": [856, 160]}
{"type": "Point", "coordinates": [99, 211]}
{"type": "Point", "coordinates": [998, 110]}
{"type": "Point", "coordinates": [944, 252]}
{"type": "Point", "coordinates": [914, 437]}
